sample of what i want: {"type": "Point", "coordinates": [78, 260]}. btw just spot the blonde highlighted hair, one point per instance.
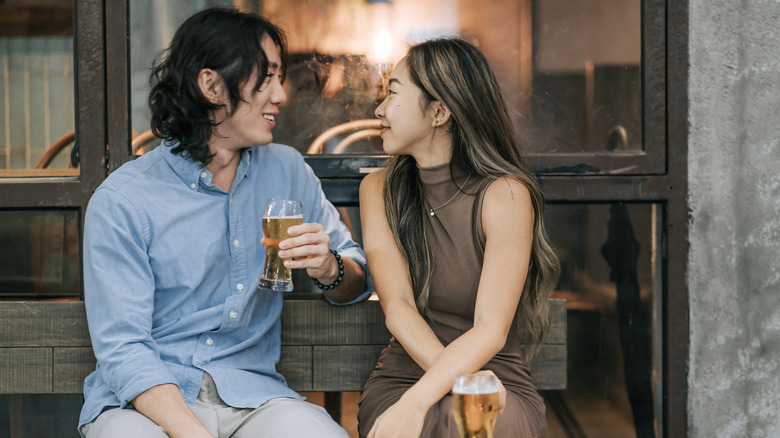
{"type": "Point", "coordinates": [455, 73]}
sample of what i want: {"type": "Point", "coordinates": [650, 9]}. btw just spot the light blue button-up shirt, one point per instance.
{"type": "Point", "coordinates": [171, 266]}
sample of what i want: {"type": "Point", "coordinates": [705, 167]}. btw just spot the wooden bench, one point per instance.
{"type": "Point", "coordinates": [45, 346]}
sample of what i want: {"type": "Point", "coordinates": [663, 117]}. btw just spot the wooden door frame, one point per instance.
{"type": "Point", "coordinates": [103, 138]}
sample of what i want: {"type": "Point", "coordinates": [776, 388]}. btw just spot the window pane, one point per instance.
{"type": "Point", "coordinates": [586, 76]}
{"type": "Point", "coordinates": [40, 256]}
{"type": "Point", "coordinates": [37, 109]}
{"type": "Point", "coordinates": [152, 25]}
{"type": "Point", "coordinates": [610, 259]}
{"type": "Point", "coordinates": [570, 70]}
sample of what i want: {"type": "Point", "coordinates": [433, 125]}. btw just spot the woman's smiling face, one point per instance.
{"type": "Point", "coordinates": [407, 122]}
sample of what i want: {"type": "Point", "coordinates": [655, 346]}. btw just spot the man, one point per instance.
{"type": "Point", "coordinates": [186, 342]}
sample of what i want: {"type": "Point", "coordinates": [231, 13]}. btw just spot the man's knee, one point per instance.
{"type": "Point", "coordinates": [122, 423]}
{"type": "Point", "coordinates": [292, 418]}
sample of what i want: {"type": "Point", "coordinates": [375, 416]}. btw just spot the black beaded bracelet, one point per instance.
{"type": "Point", "coordinates": [338, 280]}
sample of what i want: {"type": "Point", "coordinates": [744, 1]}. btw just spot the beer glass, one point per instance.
{"type": "Point", "coordinates": [278, 216]}
{"type": "Point", "coordinates": [475, 404]}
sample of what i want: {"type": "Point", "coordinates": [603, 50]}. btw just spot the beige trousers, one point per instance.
{"type": "Point", "coordinates": [279, 417]}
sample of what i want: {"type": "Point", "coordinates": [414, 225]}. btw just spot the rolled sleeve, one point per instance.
{"type": "Point", "coordinates": [119, 297]}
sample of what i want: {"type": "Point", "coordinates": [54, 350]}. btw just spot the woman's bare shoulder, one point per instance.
{"type": "Point", "coordinates": [374, 182]}
{"type": "Point", "coordinates": [508, 190]}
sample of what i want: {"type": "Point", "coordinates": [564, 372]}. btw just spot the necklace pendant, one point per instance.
{"type": "Point", "coordinates": [460, 189]}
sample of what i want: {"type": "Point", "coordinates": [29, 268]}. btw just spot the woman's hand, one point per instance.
{"type": "Point", "coordinates": [401, 420]}
{"type": "Point", "coordinates": [501, 390]}
{"type": "Point", "coordinates": [309, 248]}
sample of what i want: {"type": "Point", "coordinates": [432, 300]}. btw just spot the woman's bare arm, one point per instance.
{"type": "Point", "coordinates": [390, 274]}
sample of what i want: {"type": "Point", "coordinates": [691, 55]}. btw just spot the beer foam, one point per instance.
{"type": "Point", "coordinates": [475, 389]}
{"type": "Point", "coordinates": [299, 216]}
{"type": "Point", "coordinates": [475, 384]}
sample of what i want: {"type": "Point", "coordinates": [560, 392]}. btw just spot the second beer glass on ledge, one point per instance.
{"type": "Point", "coordinates": [278, 216]}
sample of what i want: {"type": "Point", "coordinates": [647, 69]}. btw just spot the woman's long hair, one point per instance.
{"type": "Point", "coordinates": [455, 73]}
{"type": "Point", "coordinates": [224, 40]}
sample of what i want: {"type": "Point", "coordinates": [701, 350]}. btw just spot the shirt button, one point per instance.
{"type": "Point", "coordinates": [203, 174]}
{"type": "Point", "coordinates": [192, 186]}
{"type": "Point", "coordinates": [235, 242]}
{"type": "Point", "coordinates": [233, 314]}
{"type": "Point", "coordinates": [240, 286]}
{"type": "Point", "coordinates": [209, 341]}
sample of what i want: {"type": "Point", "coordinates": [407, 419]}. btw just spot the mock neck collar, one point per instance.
{"type": "Point", "coordinates": [440, 173]}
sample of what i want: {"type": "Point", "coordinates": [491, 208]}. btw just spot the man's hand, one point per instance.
{"type": "Point", "coordinates": [309, 248]}
{"type": "Point", "coordinates": [165, 406]}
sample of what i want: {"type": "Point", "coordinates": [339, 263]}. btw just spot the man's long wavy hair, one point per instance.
{"type": "Point", "coordinates": [455, 73]}
{"type": "Point", "coordinates": [224, 40]}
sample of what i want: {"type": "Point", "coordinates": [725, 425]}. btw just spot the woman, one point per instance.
{"type": "Point", "coordinates": [455, 242]}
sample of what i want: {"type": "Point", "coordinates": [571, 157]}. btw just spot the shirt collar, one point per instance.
{"type": "Point", "coordinates": [245, 166]}
{"type": "Point", "coordinates": [191, 171]}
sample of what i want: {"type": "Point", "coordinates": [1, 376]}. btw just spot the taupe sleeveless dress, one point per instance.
{"type": "Point", "coordinates": [458, 242]}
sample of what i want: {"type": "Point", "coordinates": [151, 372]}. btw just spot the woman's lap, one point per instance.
{"type": "Point", "coordinates": [518, 420]}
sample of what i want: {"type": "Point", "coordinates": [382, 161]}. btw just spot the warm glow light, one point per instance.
{"type": "Point", "coordinates": [381, 14]}
{"type": "Point", "coordinates": [383, 44]}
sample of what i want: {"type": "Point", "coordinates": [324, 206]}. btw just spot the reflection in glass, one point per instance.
{"type": "Point", "coordinates": [152, 25]}
{"type": "Point", "coordinates": [40, 253]}
{"type": "Point", "coordinates": [586, 76]}
{"type": "Point", "coordinates": [37, 109]}
{"type": "Point", "coordinates": [610, 259]}
{"type": "Point", "coordinates": [342, 53]}
{"type": "Point", "coordinates": [570, 70]}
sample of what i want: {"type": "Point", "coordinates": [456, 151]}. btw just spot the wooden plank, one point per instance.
{"type": "Point", "coordinates": [25, 370]}
{"type": "Point", "coordinates": [548, 370]}
{"type": "Point", "coordinates": [557, 333]}
{"type": "Point", "coordinates": [70, 329]}
{"type": "Point", "coordinates": [45, 346]}
{"type": "Point", "coordinates": [52, 18]}
{"type": "Point", "coordinates": [315, 322]}
{"type": "Point", "coordinates": [307, 322]}
{"type": "Point", "coordinates": [344, 367]}
{"type": "Point", "coordinates": [39, 173]}
{"type": "Point", "coordinates": [296, 366]}
{"type": "Point", "coordinates": [71, 367]}
{"type": "Point", "coordinates": [43, 324]}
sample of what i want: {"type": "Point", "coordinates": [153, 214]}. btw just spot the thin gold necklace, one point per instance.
{"type": "Point", "coordinates": [460, 189]}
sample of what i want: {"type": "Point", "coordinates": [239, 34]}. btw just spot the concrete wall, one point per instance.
{"type": "Point", "coordinates": [734, 197]}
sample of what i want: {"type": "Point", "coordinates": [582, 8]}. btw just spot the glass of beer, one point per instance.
{"type": "Point", "coordinates": [278, 216]}
{"type": "Point", "coordinates": [475, 404]}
